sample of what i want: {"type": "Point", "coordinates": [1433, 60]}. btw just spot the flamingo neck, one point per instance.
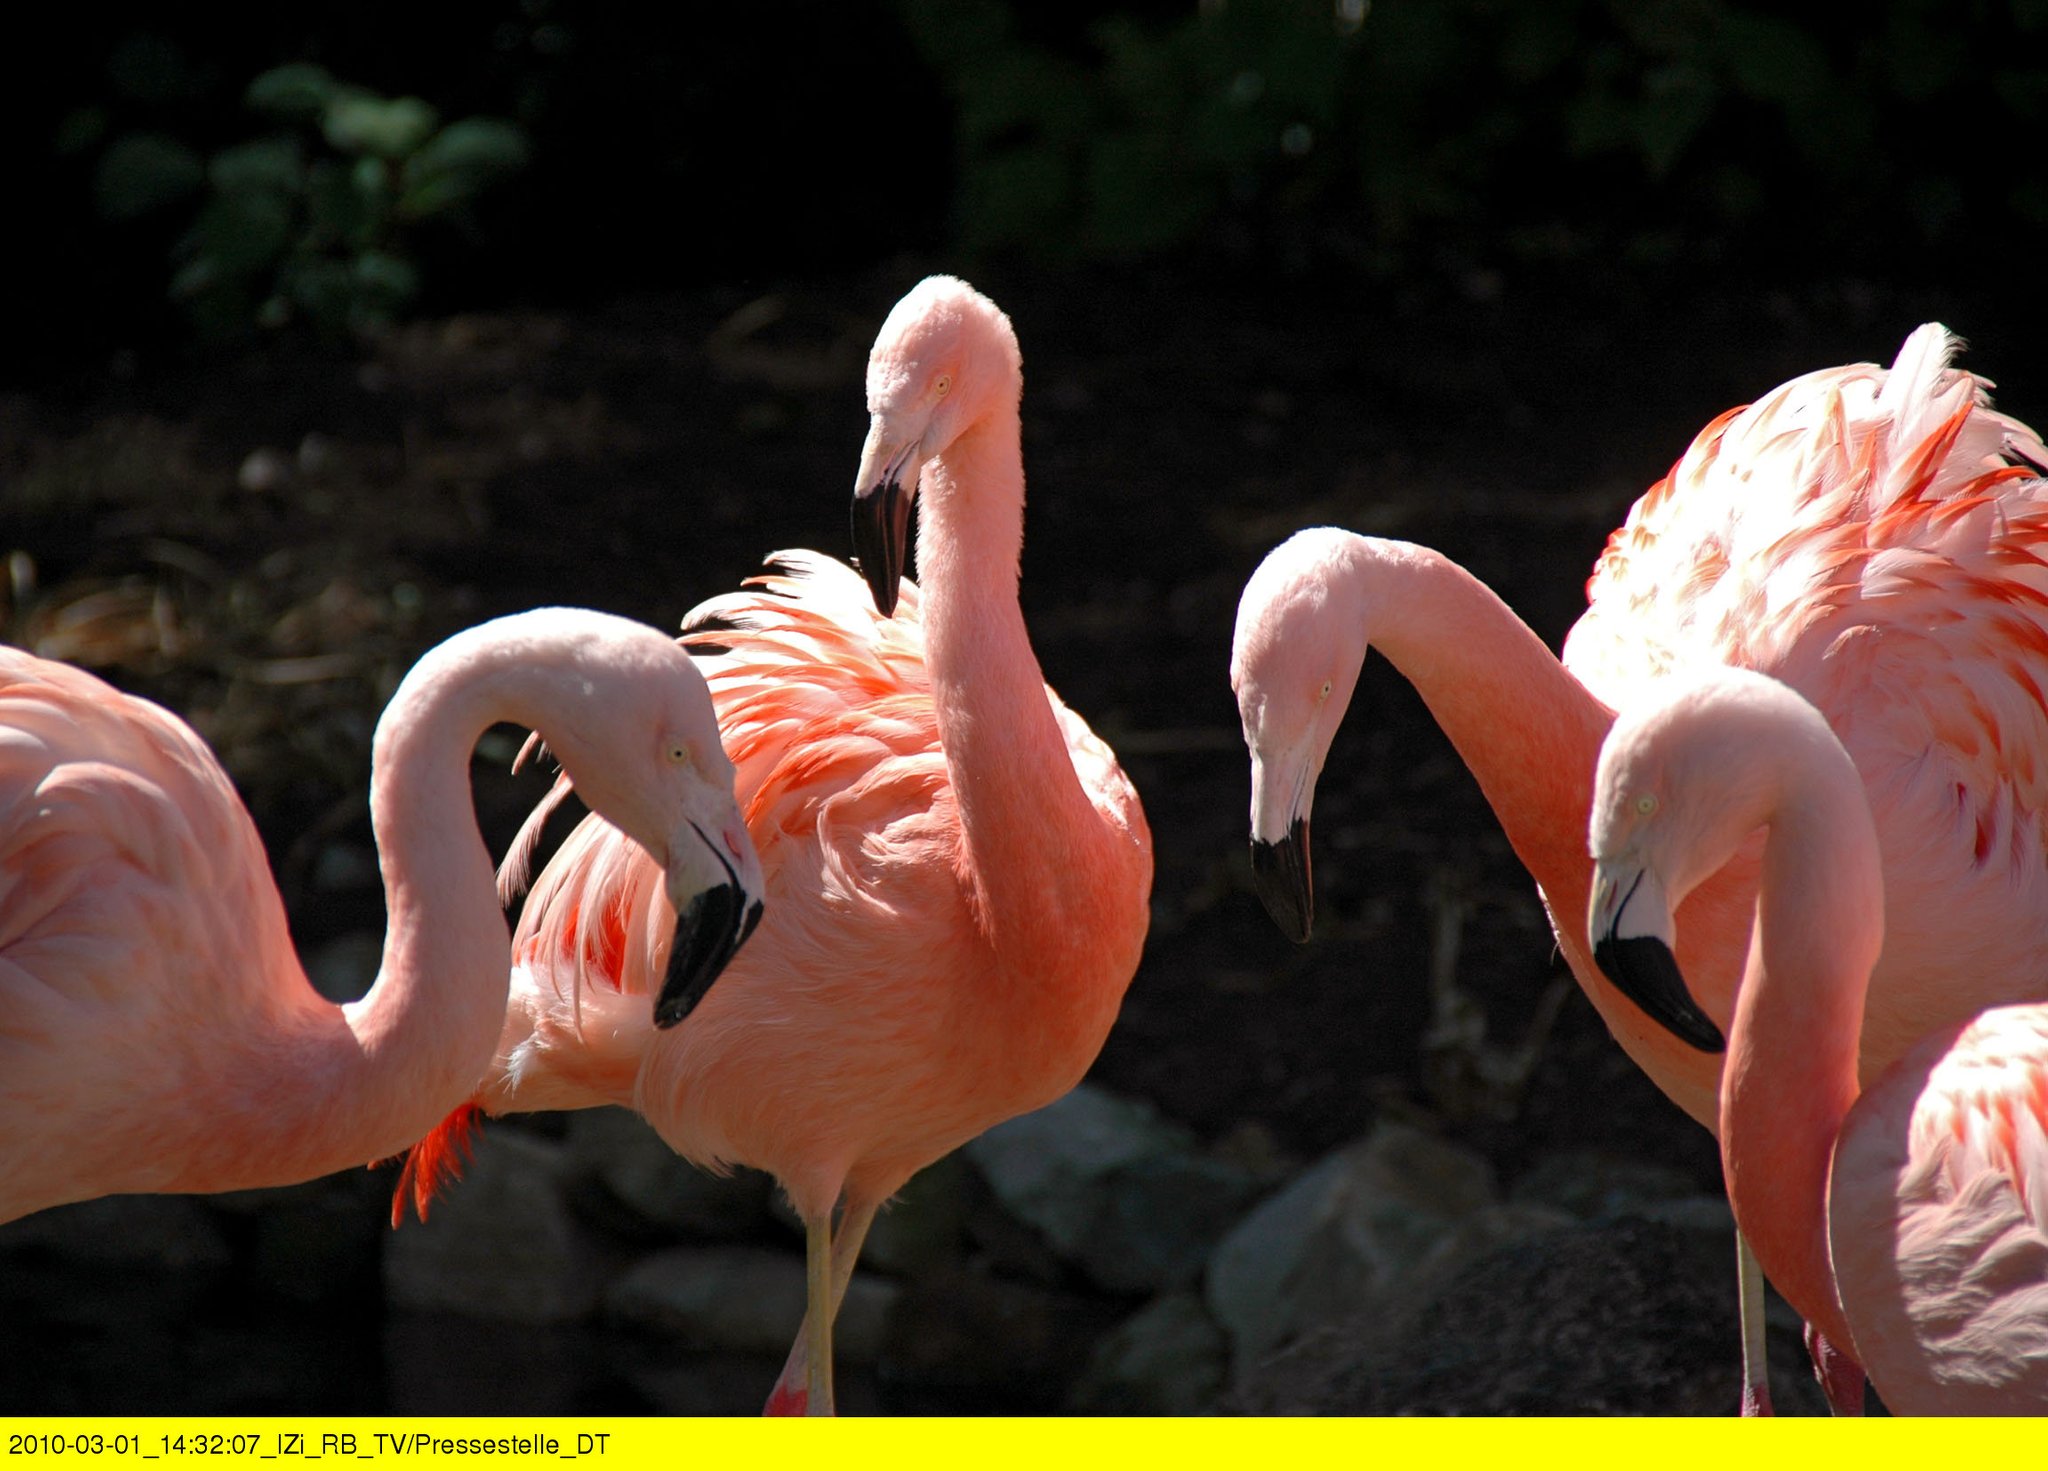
{"type": "Point", "coordinates": [1791, 1077]}
{"type": "Point", "coordinates": [1028, 828]}
{"type": "Point", "coordinates": [366, 1080]}
{"type": "Point", "coordinates": [1492, 685]}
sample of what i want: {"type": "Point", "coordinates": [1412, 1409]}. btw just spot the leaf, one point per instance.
{"type": "Point", "coordinates": [387, 280]}
{"type": "Point", "coordinates": [299, 89]}
{"type": "Point", "coordinates": [275, 164]}
{"type": "Point", "coordinates": [339, 214]}
{"type": "Point", "coordinates": [458, 163]}
{"type": "Point", "coordinates": [362, 122]}
{"type": "Point", "coordinates": [144, 171]}
{"type": "Point", "coordinates": [242, 234]}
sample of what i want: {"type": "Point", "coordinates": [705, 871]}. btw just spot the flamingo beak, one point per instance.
{"type": "Point", "coordinates": [881, 514]}
{"type": "Point", "coordinates": [1629, 925]}
{"type": "Point", "coordinates": [1280, 872]}
{"type": "Point", "coordinates": [710, 928]}
{"type": "Point", "coordinates": [1283, 789]}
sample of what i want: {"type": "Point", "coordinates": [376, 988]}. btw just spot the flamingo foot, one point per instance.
{"type": "Point", "coordinates": [1841, 1377]}
{"type": "Point", "coordinates": [1756, 1401]}
{"type": "Point", "coordinates": [788, 1400]}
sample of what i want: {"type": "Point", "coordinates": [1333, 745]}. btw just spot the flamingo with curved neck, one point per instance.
{"type": "Point", "coordinates": [156, 1030]}
{"type": "Point", "coordinates": [959, 871]}
{"type": "Point", "coordinates": [1872, 537]}
{"type": "Point", "coordinates": [1909, 1218]}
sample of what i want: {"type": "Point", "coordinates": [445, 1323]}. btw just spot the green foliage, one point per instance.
{"type": "Point", "coordinates": [311, 221]}
{"type": "Point", "coordinates": [1372, 129]}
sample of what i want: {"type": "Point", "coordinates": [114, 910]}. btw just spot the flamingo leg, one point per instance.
{"type": "Point", "coordinates": [816, 1335]}
{"type": "Point", "coordinates": [1756, 1373]}
{"type": "Point", "coordinates": [797, 1388]}
{"type": "Point", "coordinates": [1841, 1377]}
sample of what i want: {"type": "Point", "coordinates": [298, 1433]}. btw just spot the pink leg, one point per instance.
{"type": "Point", "coordinates": [795, 1390]}
{"type": "Point", "coordinates": [1840, 1376]}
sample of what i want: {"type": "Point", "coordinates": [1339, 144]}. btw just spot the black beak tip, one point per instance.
{"type": "Point", "coordinates": [881, 532]}
{"type": "Point", "coordinates": [708, 934]}
{"type": "Point", "coordinates": [1280, 872]}
{"type": "Point", "coordinates": [1643, 969]}
{"type": "Point", "coordinates": [882, 586]}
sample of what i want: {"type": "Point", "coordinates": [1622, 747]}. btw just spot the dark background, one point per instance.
{"type": "Point", "coordinates": [1470, 273]}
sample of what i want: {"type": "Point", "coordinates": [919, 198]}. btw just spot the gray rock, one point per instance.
{"type": "Point", "coordinates": [441, 1364]}
{"type": "Point", "coordinates": [320, 1242]}
{"type": "Point", "coordinates": [1114, 1187]}
{"type": "Point", "coordinates": [501, 1243]}
{"type": "Point", "coordinates": [1594, 1186]}
{"type": "Point", "coordinates": [1709, 1215]}
{"type": "Point", "coordinates": [620, 1158]}
{"type": "Point", "coordinates": [175, 1232]}
{"type": "Point", "coordinates": [1168, 1358]}
{"type": "Point", "coordinates": [742, 1299]}
{"type": "Point", "coordinates": [963, 1342]}
{"type": "Point", "coordinates": [113, 1264]}
{"type": "Point", "coordinates": [924, 1228]}
{"type": "Point", "coordinates": [1625, 1316]}
{"type": "Point", "coordinates": [1345, 1236]}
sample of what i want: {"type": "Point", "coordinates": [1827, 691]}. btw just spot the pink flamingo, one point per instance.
{"type": "Point", "coordinates": [1873, 539]}
{"type": "Point", "coordinates": [1912, 1220]}
{"type": "Point", "coordinates": [156, 1030]}
{"type": "Point", "coordinates": [959, 871]}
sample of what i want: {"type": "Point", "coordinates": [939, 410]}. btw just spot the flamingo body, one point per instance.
{"type": "Point", "coordinates": [958, 871]}
{"type": "Point", "coordinates": [1910, 1217]}
{"type": "Point", "coordinates": [156, 1030]}
{"type": "Point", "coordinates": [1874, 539]}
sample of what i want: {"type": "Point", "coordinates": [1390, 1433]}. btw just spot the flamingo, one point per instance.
{"type": "Point", "coordinates": [157, 1033]}
{"type": "Point", "coordinates": [1907, 1215]}
{"type": "Point", "coordinates": [959, 871]}
{"type": "Point", "coordinates": [1873, 539]}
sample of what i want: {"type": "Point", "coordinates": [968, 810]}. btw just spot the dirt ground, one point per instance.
{"type": "Point", "coordinates": [265, 539]}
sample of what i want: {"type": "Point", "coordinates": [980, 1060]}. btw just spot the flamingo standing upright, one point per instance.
{"type": "Point", "coordinates": [1872, 538]}
{"type": "Point", "coordinates": [1912, 1220]}
{"type": "Point", "coordinates": [959, 871]}
{"type": "Point", "coordinates": [156, 1031]}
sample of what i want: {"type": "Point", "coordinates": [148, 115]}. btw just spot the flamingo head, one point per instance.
{"type": "Point", "coordinates": [1677, 790]}
{"type": "Point", "coordinates": [944, 359]}
{"type": "Point", "coordinates": [1294, 664]}
{"type": "Point", "coordinates": [641, 747]}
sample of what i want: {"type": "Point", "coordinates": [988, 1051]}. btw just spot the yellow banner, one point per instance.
{"type": "Point", "coordinates": [618, 1444]}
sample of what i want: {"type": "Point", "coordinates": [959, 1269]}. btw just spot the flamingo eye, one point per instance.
{"type": "Point", "coordinates": [1324, 692]}
{"type": "Point", "coordinates": [678, 754]}
{"type": "Point", "coordinates": [1645, 805]}
{"type": "Point", "coordinates": [942, 385]}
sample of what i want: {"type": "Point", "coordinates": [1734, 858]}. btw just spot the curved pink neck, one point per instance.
{"type": "Point", "coordinates": [1528, 731]}
{"type": "Point", "coordinates": [1791, 1076]}
{"type": "Point", "coordinates": [337, 1087]}
{"type": "Point", "coordinates": [1030, 831]}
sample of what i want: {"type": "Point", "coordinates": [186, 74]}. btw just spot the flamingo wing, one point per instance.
{"type": "Point", "coordinates": [1878, 540]}
{"type": "Point", "coordinates": [1938, 1220]}
{"type": "Point", "coordinates": [1758, 539]}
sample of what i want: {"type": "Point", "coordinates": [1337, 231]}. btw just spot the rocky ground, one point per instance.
{"type": "Point", "coordinates": [1400, 1169]}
